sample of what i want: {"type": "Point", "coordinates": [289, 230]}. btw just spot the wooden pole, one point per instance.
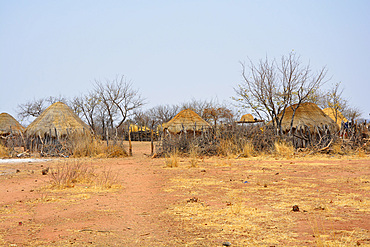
{"type": "Point", "coordinates": [129, 142]}
{"type": "Point", "coordinates": [151, 140]}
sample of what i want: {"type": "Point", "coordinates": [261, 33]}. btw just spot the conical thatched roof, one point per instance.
{"type": "Point", "coordinates": [331, 113]}
{"type": "Point", "coordinates": [8, 124]}
{"type": "Point", "coordinates": [186, 120]}
{"type": "Point", "coordinates": [307, 114]}
{"type": "Point", "coordinates": [248, 118]}
{"type": "Point", "coordinates": [56, 121]}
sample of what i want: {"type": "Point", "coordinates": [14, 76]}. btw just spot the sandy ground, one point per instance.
{"type": "Point", "coordinates": [215, 201]}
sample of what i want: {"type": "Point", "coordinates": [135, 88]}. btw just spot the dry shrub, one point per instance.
{"type": "Point", "coordinates": [115, 151]}
{"type": "Point", "coordinates": [284, 149]}
{"type": "Point", "coordinates": [227, 147]}
{"type": "Point", "coordinates": [88, 146]}
{"type": "Point", "coordinates": [193, 155]}
{"type": "Point", "coordinates": [361, 153]}
{"type": "Point", "coordinates": [69, 174]}
{"type": "Point", "coordinates": [4, 152]}
{"type": "Point", "coordinates": [107, 179]}
{"type": "Point", "coordinates": [248, 150]}
{"type": "Point", "coordinates": [172, 159]}
{"type": "Point", "coordinates": [336, 148]}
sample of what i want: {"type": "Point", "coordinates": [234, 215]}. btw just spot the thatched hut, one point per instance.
{"type": "Point", "coordinates": [336, 115]}
{"type": "Point", "coordinates": [57, 121]}
{"type": "Point", "coordinates": [248, 118]}
{"type": "Point", "coordinates": [311, 126]}
{"type": "Point", "coordinates": [186, 121]}
{"type": "Point", "coordinates": [8, 125]}
{"type": "Point", "coordinates": [307, 115]}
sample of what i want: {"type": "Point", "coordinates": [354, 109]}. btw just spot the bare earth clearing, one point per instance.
{"type": "Point", "coordinates": [247, 202]}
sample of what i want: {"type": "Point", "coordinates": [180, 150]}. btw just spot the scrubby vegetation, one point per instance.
{"type": "Point", "coordinates": [73, 173]}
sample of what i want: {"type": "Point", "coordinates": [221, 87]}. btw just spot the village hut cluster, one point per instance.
{"type": "Point", "coordinates": [49, 132]}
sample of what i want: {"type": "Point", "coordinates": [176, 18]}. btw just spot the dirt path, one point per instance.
{"type": "Point", "coordinates": [247, 202]}
{"type": "Point", "coordinates": [130, 216]}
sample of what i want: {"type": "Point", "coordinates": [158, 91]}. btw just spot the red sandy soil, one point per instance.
{"type": "Point", "coordinates": [136, 214]}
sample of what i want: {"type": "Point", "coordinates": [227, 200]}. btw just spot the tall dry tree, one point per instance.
{"type": "Point", "coordinates": [300, 81]}
{"type": "Point", "coordinates": [119, 99]}
{"type": "Point", "coordinates": [34, 108]}
{"type": "Point", "coordinates": [269, 87]}
{"type": "Point", "coordinates": [87, 106]}
{"type": "Point", "coordinates": [163, 113]}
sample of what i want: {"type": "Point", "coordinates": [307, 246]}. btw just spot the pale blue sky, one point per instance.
{"type": "Point", "coordinates": [174, 51]}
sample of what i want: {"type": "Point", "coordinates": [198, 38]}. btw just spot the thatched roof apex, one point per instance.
{"type": "Point", "coordinates": [56, 121]}
{"type": "Point", "coordinates": [186, 120]}
{"type": "Point", "coordinates": [331, 112]}
{"type": "Point", "coordinates": [8, 124]}
{"type": "Point", "coordinates": [307, 114]}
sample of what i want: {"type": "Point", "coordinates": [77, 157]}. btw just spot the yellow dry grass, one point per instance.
{"type": "Point", "coordinates": [283, 149]}
{"type": "Point", "coordinates": [88, 146]}
{"type": "Point", "coordinates": [248, 150]}
{"type": "Point", "coordinates": [172, 160]}
{"type": "Point", "coordinates": [259, 213]}
{"type": "Point", "coordinates": [4, 152]}
{"type": "Point", "coordinates": [193, 156]}
{"type": "Point", "coordinates": [84, 176]}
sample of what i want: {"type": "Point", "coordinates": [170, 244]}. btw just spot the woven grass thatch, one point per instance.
{"type": "Point", "coordinates": [56, 121]}
{"type": "Point", "coordinates": [331, 112]}
{"type": "Point", "coordinates": [8, 125]}
{"type": "Point", "coordinates": [186, 120]}
{"type": "Point", "coordinates": [307, 114]}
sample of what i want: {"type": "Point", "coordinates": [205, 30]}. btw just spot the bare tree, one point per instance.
{"type": "Point", "coordinates": [215, 114]}
{"type": "Point", "coordinates": [198, 106]}
{"type": "Point", "coordinates": [163, 113]}
{"type": "Point", "coordinates": [119, 99]}
{"type": "Point", "coordinates": [333, 98]}
{"type": "Point", "coordinates": [142, 118]}
{"type": "Point", "coordinates": [87, 107]}
{"type": "Point", "coordinates": [352, 113]}
{"type": "Point", "coordinates": [270, 87]}
{"type": "Point", "coordinates": [31, 108]}
{"type": "Point", "coordinates": [51, 100]}
{"type": "Point", "coordinates": [34, 108]}
{"type": "Point", "coordinates": [300, 81]}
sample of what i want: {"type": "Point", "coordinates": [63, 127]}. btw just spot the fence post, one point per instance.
{"type": "Point", "coordinates": [129, 142]}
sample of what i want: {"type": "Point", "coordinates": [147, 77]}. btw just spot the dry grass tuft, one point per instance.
{"type": "Point", "coordinates": [172, 160]}
{"type": "Point", "coordinates": [227, 148]}
{"type": "Point", "coordinates": [193, 154]}
{"type": "Point", "coordinates": [336, 148]}
{"type": "Point", "coordinates": [325, 238]}
{"type": "Point", "coordinates": [88, 146]}
{"type": "Point", "coordinates": [4, 152]}
{"type": "Point", "coordinates": [361, 153]}
{"type": "Point", "coordinates": [69, 174]}
{"type": "Point", "coordinates": [107, 179]}
{"type": "Point", "coordinates": [248, 150]}
{"type": "Point", "coordinates": [284, 149]}
{"type": "Point", "coordinates": [115, 151]}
